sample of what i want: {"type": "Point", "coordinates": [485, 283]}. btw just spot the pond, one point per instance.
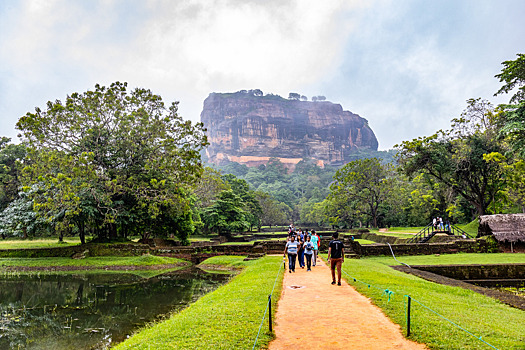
{"type": "Point", "coordinates": [91, 310]}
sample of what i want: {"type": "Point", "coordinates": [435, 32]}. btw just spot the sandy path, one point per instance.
{"type": "Point", "coordinates": [324, 316]}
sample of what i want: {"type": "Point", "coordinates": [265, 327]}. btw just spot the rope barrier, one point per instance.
{"type": "Point", "coordinates": [389, 293]}
{"type": "Point", "coordinates": [267, 306]}
{"type": "Point", "coordinates": [455, 324]}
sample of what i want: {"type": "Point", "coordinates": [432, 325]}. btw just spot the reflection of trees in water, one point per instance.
{"type": "Point", "coordinates": [80, 313]}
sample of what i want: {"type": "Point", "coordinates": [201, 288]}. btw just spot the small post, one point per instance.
{"type": "Point", "coordinates": [270, 312]}
{"type": "Point", "coordinates": [408, 315]}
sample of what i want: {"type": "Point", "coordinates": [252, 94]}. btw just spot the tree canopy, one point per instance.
{"type": "Point", "coordinates": [115, 159]}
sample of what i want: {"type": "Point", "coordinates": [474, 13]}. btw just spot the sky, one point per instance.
{"type": "Point", "coordinates": [407, 66]}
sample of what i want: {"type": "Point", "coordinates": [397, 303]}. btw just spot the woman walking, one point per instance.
{"type": "Point", "coordinates": [308, 252]}
{"type": "Point", "coordinates": [291, 248]}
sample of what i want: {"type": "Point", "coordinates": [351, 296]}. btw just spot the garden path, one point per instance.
{"type": "Point", "coordinates": [323, 316]}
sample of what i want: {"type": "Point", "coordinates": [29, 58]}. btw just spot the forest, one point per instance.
{"type": "Point", "coordinates": [112, 163]}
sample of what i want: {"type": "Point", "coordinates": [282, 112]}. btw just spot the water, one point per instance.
{"type": "Point", "coordinates": [91, 311]}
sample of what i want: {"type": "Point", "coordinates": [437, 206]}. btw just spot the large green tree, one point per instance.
{"type": "Point", "coordinates": [455, 159]}
{"type": "Point", "coordinates": [365, 185]}
{"type": "Point", "coordinates": [512, 119]}
{"type": "Point", "coordinates": [10, 154]}
{"type": "Point", "coordinates": [126, 155]}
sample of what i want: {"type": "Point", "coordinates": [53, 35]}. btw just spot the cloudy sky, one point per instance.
{"type": "Point", "coordinates": [407, 66]}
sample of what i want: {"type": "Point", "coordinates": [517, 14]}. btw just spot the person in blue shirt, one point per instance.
{"type": "Point", "coordinates": [315, 242]}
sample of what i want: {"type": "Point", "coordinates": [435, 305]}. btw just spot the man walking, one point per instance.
{"type": "Point", "coordinates": [336, 257]}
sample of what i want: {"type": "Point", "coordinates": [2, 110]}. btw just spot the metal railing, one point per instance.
{"type": "Point", "coordinates": [429, 231]}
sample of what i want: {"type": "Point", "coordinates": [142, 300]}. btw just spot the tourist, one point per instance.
{"type": "Point", "coordinates": [301, 250]}
{"type": "Point", "coordinates": [291, 249]}
{"type": "Point", "coordinates": [315, 242]}
{"type": "Point", "coordinates": [308, 252]}
{"type": "Point", "coordinates": [336, 257]}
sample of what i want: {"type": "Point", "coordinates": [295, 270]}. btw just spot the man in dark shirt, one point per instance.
{"type": "Point", "coordinates": [336, 257]}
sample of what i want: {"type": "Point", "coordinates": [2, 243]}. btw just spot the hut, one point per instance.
{"type": "Point", "coordinates": [507, 229]}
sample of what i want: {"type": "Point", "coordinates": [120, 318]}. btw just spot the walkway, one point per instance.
{"type": "Point", "coordinates": [319, 315]}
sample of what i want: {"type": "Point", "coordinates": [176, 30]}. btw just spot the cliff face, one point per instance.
{"type": "Point", "coordinates": [251, 129]}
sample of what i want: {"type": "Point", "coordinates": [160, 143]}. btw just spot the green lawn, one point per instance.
{"type": "Point", "coordinates": [497, 324]}
{"type": "Point", "coordinates": [364, 241]}
{"type": "Point", "coordinates": [144, 260]}
{"type": "Point", "coordinates": [37, 243]}
{"type": "Point", "coordinates": [227, 318]}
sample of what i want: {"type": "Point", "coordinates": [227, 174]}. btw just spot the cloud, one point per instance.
{"type": "Point", "coordinates": [181, 50]}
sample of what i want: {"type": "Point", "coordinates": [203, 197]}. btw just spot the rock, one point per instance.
{"type": "Point", "coordinates": [80, 255]}
{"type": "Point", "coordinates": [251, 129]}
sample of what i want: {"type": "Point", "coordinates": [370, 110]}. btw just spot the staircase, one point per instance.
{"type": "Point", "coordinates": [430, 231]}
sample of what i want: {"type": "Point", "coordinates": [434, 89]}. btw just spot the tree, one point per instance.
{"type": "Point", "coordinates": [125, 154]}
{"type": "Point", "coordinates": [456, 163]}
{"type": "Point", "coordinates": [304, 98]}
{"type": "Point", "coordinates": [513, 75]}
{"type": "Point", "coordinates": [10, 154]}
{"type": "Point", "coordinates": [251, 206]}
{"type": "Point", "coordinates": [208, 187]}
{"type": "Point", "coordinates": [366, 183]}
{"type": "Point", "coordinates": [294, 96]}
{"type": "Point", "coordinates": [226, 215]}
{"type": "Point", "coordinates": [272, 211]}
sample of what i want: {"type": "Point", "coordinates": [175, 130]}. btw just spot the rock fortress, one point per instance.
{"type": "Point", "coordinates": [250, 128]}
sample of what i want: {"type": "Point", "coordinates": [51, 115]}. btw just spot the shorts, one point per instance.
{"type": "Point", "coordinates": [336, 262]}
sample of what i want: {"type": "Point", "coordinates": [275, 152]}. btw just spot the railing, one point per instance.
{"type": "Point", "coordinates": [430, 231]}
{"type": "Point", "coordinates": [407, 301]}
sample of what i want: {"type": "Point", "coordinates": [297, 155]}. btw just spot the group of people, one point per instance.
{"type": "Point", "coordinates": [301, 245]}
{"type": "Point", "coordinates": [306, 244]}
{"type": "Point", "coordinates": [438, 223]}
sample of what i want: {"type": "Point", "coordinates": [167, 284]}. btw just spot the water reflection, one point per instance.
{"type": "Point", "coordinates": [91, 311]}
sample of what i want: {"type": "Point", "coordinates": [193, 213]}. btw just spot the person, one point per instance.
{"type": "Point", "coordinates": [336, 257]}
{"type": "Point", "coordinates": [291, 249]}
{"type": "Point", "coordinates": [300, 239]}
{"type": "Point", "coordinates": [315, 242]}
{"type": "Point", "coordinates": [308, 252]}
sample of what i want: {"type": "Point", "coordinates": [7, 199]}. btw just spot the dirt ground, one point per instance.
{"type": "Point", "coordinates": [313, 314]}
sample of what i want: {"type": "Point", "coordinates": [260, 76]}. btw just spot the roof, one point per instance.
{"type": "Point", "coordinates": [504, 227]}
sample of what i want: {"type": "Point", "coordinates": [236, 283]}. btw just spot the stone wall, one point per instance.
{"type": "Point", "coordinates": [477, 272]}
{"type": "Point", "coordinates": [464, 246]}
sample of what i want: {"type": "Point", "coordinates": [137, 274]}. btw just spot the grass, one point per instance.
{"type": "Point", "coordinates": [227, 318]}
{"type": "Point", "coordinates": [398, 230]}
{"type": "Point", "coordinates": [455, 259]}
{"type": "Point", "coordinates": [144, 260]}
{"type": "Point", "coordinates": [497, 324]}
{"type": "Point", "coordinates": [38, 243]}
{"type": "Point", "coordinates": [471, 227]}
{"type": "Point", "coordinates": [364, 241]}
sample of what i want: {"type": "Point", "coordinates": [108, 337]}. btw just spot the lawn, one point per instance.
{"type": "Point", "coordinates": [364, 241]}
{"type": "Point", "coordinates": [228, 318]}
{"type": "Point", "coordinates": [144, 260]}
{"type": "Point", "coordinates": [37, 243]}
{"type": "Point", "coordinates": [496, 323]}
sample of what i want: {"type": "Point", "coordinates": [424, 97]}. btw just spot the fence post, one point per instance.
{"type": "Point", "coordinates": [408, 315]}
{"type": "Point", "coordinates": [270, 312]}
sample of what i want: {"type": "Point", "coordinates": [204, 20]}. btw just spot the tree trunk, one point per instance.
{"type": "Point", "coordinates": [82, 232]}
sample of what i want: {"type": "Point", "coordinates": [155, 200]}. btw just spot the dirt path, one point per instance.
{"type": "Point", "coordinates": [323, 316]}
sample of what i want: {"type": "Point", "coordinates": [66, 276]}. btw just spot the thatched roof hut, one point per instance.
{"type": "Point", "coordinates": [504, 227]}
